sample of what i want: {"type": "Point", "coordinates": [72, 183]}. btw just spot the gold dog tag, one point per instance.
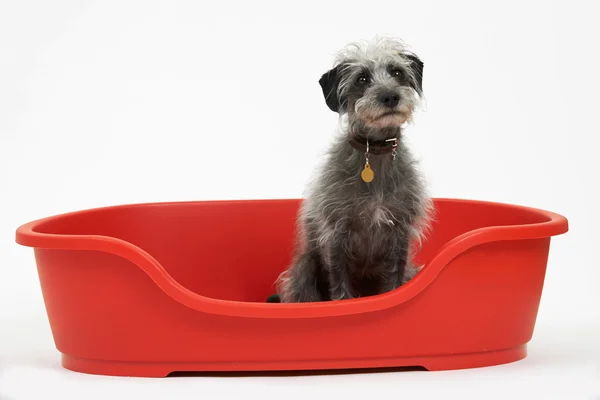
{"type": "Point", "coordinates": [367, 174]}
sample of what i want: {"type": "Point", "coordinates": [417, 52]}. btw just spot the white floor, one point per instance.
{"type": "Point", "coordinates": [563, 363]}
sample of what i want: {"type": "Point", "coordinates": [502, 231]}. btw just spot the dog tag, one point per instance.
{"type": "Point", "coordinates": [367, 174]}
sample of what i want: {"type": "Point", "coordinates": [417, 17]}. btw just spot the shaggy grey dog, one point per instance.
{"type": "Point", "coordinates": [368, 206]}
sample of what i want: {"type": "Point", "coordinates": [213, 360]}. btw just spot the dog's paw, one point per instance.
{"type": "Point", "coordinates": [342, 297]}
{"type": "Point", "coordinates": [274, 298]}
{"type": "Point", "coordinates": [410, 272]}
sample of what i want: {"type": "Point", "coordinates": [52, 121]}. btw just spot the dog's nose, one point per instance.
{"type": "Point", "coordinates": [389, 99]}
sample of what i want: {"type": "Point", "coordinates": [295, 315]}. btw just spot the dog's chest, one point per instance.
{"type": "Point", "coordinates": [381, 216]}
{"type": "Point", "coordinates": [373, 230]}
{"type": "Point", "coordinates": [376, 214]}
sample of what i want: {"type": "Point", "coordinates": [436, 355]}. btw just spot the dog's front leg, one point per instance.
{"type": "Point", "coordinates": [339, 276]}
{"type": "Point", "coordinates": [395, 264]}
{"type": "Point", "coordinates": [339, 282]}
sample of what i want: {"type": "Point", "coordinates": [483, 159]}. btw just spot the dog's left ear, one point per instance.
{"type": "Point", "coordinates": [329, 84]}
{"type": "Point", "coordinates": [416, 65]}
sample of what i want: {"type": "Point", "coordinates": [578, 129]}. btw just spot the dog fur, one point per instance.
{"type": "Point", "coordinates": [356, 239]}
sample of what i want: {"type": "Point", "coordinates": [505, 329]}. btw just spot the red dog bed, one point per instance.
{"type": "Point", "coordinates": [150, 289]}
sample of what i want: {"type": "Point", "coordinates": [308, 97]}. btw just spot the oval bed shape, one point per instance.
{"type": "Point", "coordinates": [150, 289]}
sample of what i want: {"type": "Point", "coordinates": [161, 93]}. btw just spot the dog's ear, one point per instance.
{"type": "Point", "coordinates": [329, 84]}
{"type": "Point", "coordinates": [416, 65]}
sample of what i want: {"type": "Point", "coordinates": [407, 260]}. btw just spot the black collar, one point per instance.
{"type": "Point", "coordinates": [376, 147]}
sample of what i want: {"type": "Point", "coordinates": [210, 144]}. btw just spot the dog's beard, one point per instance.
{"type": "Point", "coordinates": [373, 132]}
{"type": "Point", "coordinates": [379, 118]}
{"type": "Point", "coordinates": [369, 111]}
{"type": "Point", "coordinates": [388, 119]}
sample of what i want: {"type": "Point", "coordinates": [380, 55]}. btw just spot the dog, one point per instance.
{"type": "Point", "coordinates": [368, 205]}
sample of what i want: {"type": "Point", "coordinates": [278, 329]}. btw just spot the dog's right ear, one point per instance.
{"type": "Point", "coordinates": [329, 84]}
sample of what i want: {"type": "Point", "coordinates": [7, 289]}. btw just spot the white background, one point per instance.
{"type": "Point", "coordinates": [112, 102]}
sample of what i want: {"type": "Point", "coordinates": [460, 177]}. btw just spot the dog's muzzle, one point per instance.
{"type": "Point", "coordinates": [389, 99]}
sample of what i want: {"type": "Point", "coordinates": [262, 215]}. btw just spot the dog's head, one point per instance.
{"type": "Point", "coordinates": [377, 84]}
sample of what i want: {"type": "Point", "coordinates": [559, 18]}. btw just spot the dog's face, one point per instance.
{"type": "Point", "coordinates": [377, 85]}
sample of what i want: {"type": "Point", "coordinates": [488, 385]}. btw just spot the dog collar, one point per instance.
{"type": "Point", "coordinates": [376, 147]}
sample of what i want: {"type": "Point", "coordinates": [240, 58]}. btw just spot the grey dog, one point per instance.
{"type": "Point", "coordinates": [368, 205]}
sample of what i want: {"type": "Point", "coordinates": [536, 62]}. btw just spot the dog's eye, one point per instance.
{"type": "Point", "coordinates": [396, 72]}
{"type": "Point", "coordinates": [361, 80]}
